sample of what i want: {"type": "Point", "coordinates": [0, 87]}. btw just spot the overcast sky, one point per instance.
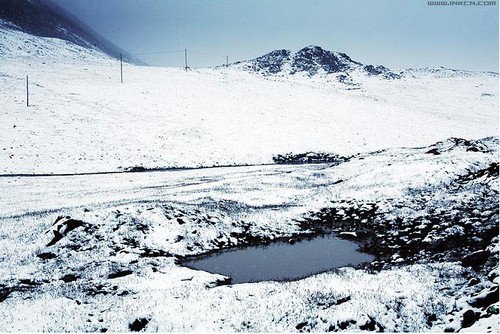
{"type": "Point", "coordinates": [395, 33]}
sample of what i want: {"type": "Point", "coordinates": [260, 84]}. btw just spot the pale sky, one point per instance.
{"type": "Point", "coordinates": [394, 33]}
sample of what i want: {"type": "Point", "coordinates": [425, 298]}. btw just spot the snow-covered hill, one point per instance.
{"type": "Point", "coordinates": [312, 60]}
{"type": "Point", "coordinates": [46, 19]}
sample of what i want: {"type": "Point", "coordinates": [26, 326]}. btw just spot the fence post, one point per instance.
{"type": "Point", "coordinates": [27, 92]}
{"type": "Point", "coordinates": [121, 68]}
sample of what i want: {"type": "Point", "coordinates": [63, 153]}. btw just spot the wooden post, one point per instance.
{"type": "Point", "coordinates": [121, 68]}
{"type": "Point", "coordinates": [27, 92]}
{"type": "Point", "coordinates": [186, 58]}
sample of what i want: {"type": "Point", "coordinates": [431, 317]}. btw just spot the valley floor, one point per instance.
{"type": "Point", "coordinates": [86, 246]}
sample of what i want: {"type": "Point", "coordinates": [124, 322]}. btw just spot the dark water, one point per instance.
{"type": "Point", "coordinates": [281, 260]}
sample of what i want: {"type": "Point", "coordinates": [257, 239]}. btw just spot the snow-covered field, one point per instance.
{"type": "Point", "coordinates": [425, 205]}
{"type": "Point", "coordinates": [82, 119]}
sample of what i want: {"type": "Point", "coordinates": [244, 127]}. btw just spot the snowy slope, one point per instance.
{"type": "Point", "coordinates": [82, 119]}
{"type": "Point", "coordinates": [45, 18]}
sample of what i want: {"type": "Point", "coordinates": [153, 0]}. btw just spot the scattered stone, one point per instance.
{"type": "Point", "coordinates": [62, 226]}
{"type": "Point", "coordinates": [469, 318]}
{"type": "Point", "coordinates": [346, 323]}
{"type": "Point", "coordinates": [433, 151]}
{"type": "Point", "coordinates": [135, 169]}
{"type": "Point", "coordinates": [69, 278]}
{"type": "Point", "coordinates": [369, 325]}
{"type": "Point", "coordinates": [309, 157]}
{"type": "Point", "coordinates": [120, 274]}
{"type": "Point", "coordinates": [493, 274]}
{"type": "Point", "coordinates": [138, 325]}
{"type": "Point", "coordinates": [146, 252]}
{"type": "Point", "coordinates": [46, 256]}
{"type": "Point", "coordinates": [301, 325]}
{"type": "Point", "coordinates": [343, 300]}
{"type": "Point", "coordinates": [4, 293]}
{"type": "Point", "coordinates": [473, 281]}
{"type": "Point", "coordinates": [485, 298]}
{"type": "Point", "coordinates": [430, 319]}
{"type": "Point", "coordinates": [475, 259]}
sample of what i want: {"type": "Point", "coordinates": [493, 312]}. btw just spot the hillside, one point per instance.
{"type": "Point", "coordinates": [45, 19]}
{"type": "Point", "coordinates": [81, 119]}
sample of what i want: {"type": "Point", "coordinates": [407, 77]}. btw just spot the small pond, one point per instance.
{"type": "Point", "coordinates": [281, 261]}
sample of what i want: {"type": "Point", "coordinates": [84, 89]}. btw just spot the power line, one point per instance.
{"type": "Point", "coordinates": [208, 53]}
{"type": "Point", "coordinates": [154, 53]}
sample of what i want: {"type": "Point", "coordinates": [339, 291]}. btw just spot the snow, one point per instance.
{"type": "Point", "coordinates": [81, 119]}
{"type": "Point", "coordinates": [166, 117]}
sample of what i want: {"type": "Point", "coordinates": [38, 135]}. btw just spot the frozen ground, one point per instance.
{"type": "Point", "coordinates": [117, 258]}
{"type": "Point", "coordinates": [101, 252]}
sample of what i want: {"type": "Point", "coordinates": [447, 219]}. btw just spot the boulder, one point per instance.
{"type": "Point", "coordinates": [475, 259]}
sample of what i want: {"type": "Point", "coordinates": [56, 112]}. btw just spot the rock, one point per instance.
{"type": "Point", "coordinates": [4, 293]}
{"type": "Point", "coordinates": [120, 274]}
{"type": "Point", "coordinates": [62, 226]}
{"type": "Point", "coordinates": [301, 325]}
{"type": "Point", "coordinates": [138, 325]}
{"type": "Point", "coordinates": [485, 298]}
{"type": "Point", "coordinates": [135, 169]}
{"type": "Point", "coordinates": [475, 259]}
{"type": "Point", "coordinates": [430, 319]}
{"type": "Point", "coordinates": [433, 151]}
{"type": "Point", "coordinates": [493, 274]}
{"type": "Point", "coordinates": [473, 281]}
{"type": "Point", "coordinates": [344, 324]}
{"type": "Point", "coordinates": [469, 318]}
{"type": "Point", "coordinates": [342, 300]}
{"type": "Point", "coordinates": [369, 325]}
{"type": "Point", "coordinates": [46, 256]}
{"type": "Point", "coordinates": [69, 278]}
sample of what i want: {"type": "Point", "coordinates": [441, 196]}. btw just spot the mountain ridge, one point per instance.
{"type": "Point", "coordinates": [46, 19]}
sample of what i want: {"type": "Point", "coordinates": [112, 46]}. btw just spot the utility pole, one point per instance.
{"type": "Point", "coordinates": [186, 58]}
{"type": "Point", "coordinates": [27, 93]}
{"type": "Point", "coordinates": [121, 68]}
{"type": "Point", "coordinates": [227, 61]}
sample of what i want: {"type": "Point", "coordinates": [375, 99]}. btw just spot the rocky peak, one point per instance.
{"type": "Point", "coordinates": [313, 58]}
